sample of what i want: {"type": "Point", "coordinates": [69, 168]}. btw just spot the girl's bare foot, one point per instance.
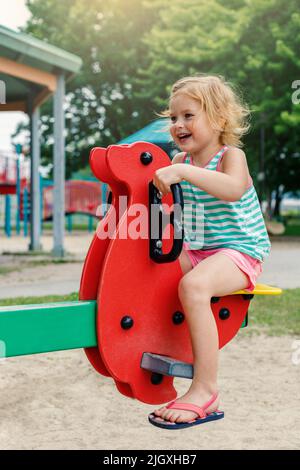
{"type": "Point", "coordinates": [198, 397]}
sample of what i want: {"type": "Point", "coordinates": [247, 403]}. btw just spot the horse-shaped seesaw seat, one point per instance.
{"type": "Point", "coordinates": [129, 318]}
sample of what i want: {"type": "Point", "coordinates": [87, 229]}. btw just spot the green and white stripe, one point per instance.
{"type": "Point", "coordinates": [213, 223]}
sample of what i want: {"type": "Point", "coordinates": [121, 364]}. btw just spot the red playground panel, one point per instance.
{"type": "Point", "coordinates": [8, 174]}
{"type": "Point", "coordinates": [81, 196]}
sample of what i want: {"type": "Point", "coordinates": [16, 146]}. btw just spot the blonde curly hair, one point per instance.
{"type": "Point", "coordinates": [224, 107]}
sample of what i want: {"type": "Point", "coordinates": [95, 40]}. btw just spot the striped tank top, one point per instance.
{"type": "Point", "coordinates": [211, 223]}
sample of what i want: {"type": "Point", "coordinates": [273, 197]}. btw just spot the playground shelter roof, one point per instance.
{"type": "Point", "coordinates": [29, 66]}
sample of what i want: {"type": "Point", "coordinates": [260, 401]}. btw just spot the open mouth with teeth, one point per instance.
{"type": "Point", "coordinates": [184, 137]}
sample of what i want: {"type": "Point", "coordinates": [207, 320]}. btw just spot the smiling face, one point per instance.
{"type": "Point", "coordinates": [190, 127]}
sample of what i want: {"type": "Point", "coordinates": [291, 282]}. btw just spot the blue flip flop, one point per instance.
{"type": "Point", "coordinates": [203, 416]}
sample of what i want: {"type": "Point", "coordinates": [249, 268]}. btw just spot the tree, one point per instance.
{"type": "Point", "coordinates": [183, 42]}
{"type": "Point", "coordinates": [106, 35]}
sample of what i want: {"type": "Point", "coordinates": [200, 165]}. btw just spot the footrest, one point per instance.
{"type": "Point", "coordinates": [167, 366]}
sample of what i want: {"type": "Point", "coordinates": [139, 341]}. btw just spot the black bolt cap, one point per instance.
{"type": "Point", "coordinates": [126, 322]}
{"type": "Point", "coordinates": [146, 158]}
{"type": "Point", "coordinates": [224, 313]}
{"type": "Point", "coordinates": [156, 379]}
{"type": "Point", "coordinates": [214, 300]}
{"type": "Point", "coordinates": [178, 318]}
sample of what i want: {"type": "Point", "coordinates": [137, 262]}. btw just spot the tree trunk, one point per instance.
{"type": "Point", "coordinates": [278, 199]}
{"type": "Point", "coordinates": [268, 211]}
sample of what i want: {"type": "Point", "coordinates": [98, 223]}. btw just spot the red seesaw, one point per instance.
{"type": "Point", "coordinates": [129, 318]}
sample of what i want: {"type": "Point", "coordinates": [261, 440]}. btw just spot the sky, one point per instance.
{"type": "Point", "coordinates": [13, 14]}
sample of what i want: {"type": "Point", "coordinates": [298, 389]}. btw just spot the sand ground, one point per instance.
{"type": "Point", "coordinates": [57, 401]}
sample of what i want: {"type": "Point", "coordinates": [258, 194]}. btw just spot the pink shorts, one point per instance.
{"type": "Point", "coordinates": [250, 266]}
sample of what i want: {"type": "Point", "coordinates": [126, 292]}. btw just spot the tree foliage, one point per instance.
{"type": "Point", "coordinates": [106, 35]}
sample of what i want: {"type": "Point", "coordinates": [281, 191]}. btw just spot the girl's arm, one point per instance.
{"type": "Point", "coordinates": [178, 158]}
{"type": "Point", "coordinates": [228, 184]}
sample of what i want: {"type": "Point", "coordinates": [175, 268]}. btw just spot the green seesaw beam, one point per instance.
{"type": "Point", "coordinates": [39, 328]}
{"type": "Point", "coordinates": [33, 329]}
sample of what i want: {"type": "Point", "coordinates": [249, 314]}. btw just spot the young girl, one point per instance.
{"type": "Point", "coordinates": [207, 122]}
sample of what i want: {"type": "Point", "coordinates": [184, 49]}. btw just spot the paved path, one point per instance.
{"type": "Point", "coordinates": [282, 269]}
{"type": "Point", "coordinates": [76, 243]}
{"type": "Point", "coordinates": [41, 279]}
{"type": "Point", "coordinates": [41, 288]}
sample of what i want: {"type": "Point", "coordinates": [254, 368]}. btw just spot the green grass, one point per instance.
{"type": "Point", "coordinates": [292, 226]}
{"type": "Point", "coordinates": [27, 253]}
{"type": "Point", "coordinates": [8, 269]}
{"type": "Point", "coordinates": [272, 315]}
{"type": "Point", "coordinates": [276, 315]}
{"type": "Point", "coordinates": [44, 262]}
{"type": "Point", "coordinates": [38, 300]}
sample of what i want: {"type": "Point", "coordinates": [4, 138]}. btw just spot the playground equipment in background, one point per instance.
{"type": "Point", "coordinates": [14, 177]}
{"type": "Point", "coordinates": [81, 196]}
{"type": "Point", "coordinates": [129, 318]}
{"type": "Point", "coordinates": [13, 172]}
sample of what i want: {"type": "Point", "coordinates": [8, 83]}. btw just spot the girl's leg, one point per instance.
{"type": "Point", "coordinates": [215, 276]}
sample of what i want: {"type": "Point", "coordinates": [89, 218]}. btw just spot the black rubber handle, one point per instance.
{"type": "Point", "coordinates": [156, 214]}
